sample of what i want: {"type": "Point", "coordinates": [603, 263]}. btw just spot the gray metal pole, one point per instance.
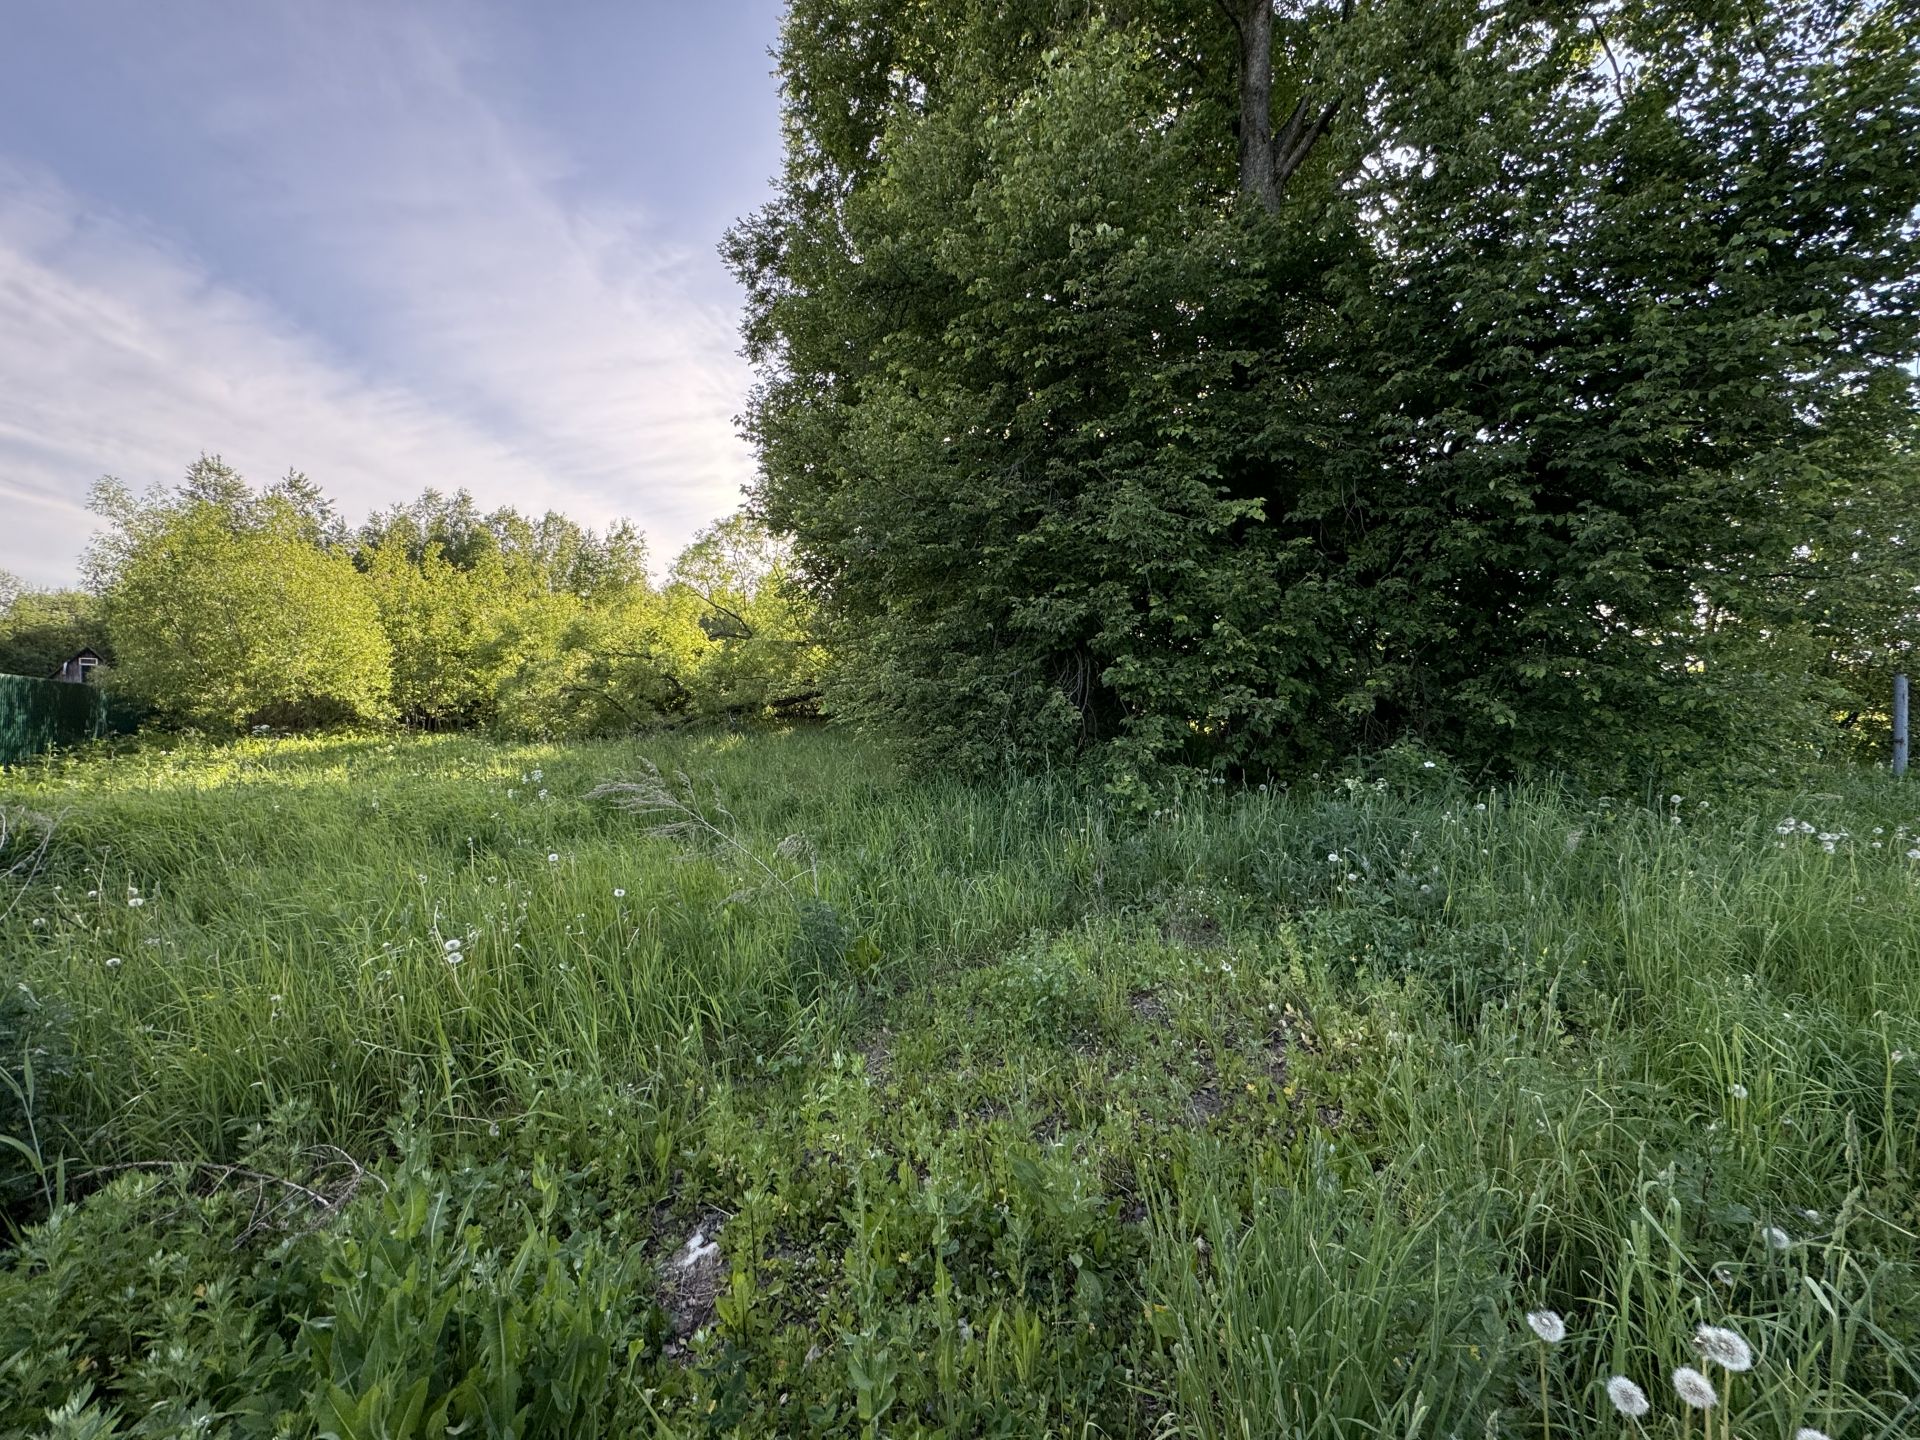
{"type": "Point", "coordinates": [1900, 731]}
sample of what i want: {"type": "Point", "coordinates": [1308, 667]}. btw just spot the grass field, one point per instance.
{"type": "Point", "coordinates": [381, 1087]}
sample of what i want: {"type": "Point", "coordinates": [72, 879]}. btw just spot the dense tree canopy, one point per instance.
{"type": "Point", "coordinates": [225, 611]}
{"type": "Point", "coordinates": [1240, 386]}
{"type": "Point", "coordinates": [41, 629]}
{"type": "Point", "coordinates": [229, 606]}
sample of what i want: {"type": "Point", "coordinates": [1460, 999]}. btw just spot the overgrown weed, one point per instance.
{"type": "Point", "coordinates": [1010, 1113]}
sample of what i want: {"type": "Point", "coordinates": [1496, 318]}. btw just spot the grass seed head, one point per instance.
{"type": "Point", "coordinates": [1694, 1388]}
{"type": "Point", "coordinates": [1548, 1325]}
{"type": "Point", "coordinates": [1723, 1347]}
{"type": "Point", "coordinates": [1628, 1398]}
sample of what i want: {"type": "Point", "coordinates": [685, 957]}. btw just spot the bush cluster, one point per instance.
{"type": "Point", "coordinates": [223, 608]}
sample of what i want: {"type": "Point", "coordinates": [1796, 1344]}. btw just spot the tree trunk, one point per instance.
{"type": "Point", "coordinates": [1268, 157]}
{"type": "Point", "coordinates": [1255, 24]}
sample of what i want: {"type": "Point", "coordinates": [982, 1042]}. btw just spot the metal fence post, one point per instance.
{"type": "Point", "coordinates": [1900, 732]}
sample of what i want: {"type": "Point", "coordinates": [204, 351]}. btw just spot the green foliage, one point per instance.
{"type": "Point", "coordinates": [573, 670]}
{"type": "Point", "coordinates": [156, 1307]}
{"type": "Point", "coordinates": [42, 629]}
{"type": "Point", "coordinates": [439, 620]}
{"type": "Point", "coordinates": [737, 579]}
{"type": "Point", "coordinates": [428, 1327]}
{"type": "Point", "coordinates": [225, 612]}
{"type": "Point", "coordinates": [1569, 364]}
{"type": "Point", "coordinates": [234, 607]}
{"type": "Point", "coordinates": [873, 1105]}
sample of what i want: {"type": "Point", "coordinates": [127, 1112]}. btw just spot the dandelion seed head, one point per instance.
{"type": "Point", "coordinates": [134, 902]}
{"type": "Point", "coordinates": [1807, 1432]}
{"type": "Point", "coordinates": [1723, 1347]}
{"type": "Point", "coordinates": [1738, 1091]}
{"type": "Point", "coordinates": [1548, 1325]}
{"type": "Point", "coordinates": [1695, 1389]}
{"type": "Point", "coordinates": [619, 894]}
{"type": "Point", "coordinates": [1777, 1238]}
{"type": "Point", "coordinates": [113, 962]}
{"type": "Point", "coordinates": [553, 857]}
{"type": "Point", "coordinates": [452, 945]}
{"type": "Point", "coordinates": [1628, 1398]}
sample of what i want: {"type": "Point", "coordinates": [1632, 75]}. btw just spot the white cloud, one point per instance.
{"type": "Point", "coordinates": [483, 326]}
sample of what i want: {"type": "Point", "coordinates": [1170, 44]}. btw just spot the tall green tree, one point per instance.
{"type": "Point", "coordinates": [1238, 385]}
{"type": "Point", "coordinates": [441, 622]}
{"type": "Point", "coordinates": [223, 611]}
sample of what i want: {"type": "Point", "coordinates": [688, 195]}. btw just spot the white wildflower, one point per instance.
{"type": "Point", "coordinates": [1548, 1325]}
{"type": "Point", "coordinates": [1694, 1388]}
{"type": "Point", "coordinates": [134, 902]}
{"type": "Point", "coordinates": [1723, 1347]}
{"type": "Point", "coordinates": [1628, 1398]}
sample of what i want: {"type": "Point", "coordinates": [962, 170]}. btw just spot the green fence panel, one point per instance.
{"type": "Point", "coordinates": [38, 714]}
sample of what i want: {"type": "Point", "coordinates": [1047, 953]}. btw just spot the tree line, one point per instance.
{"type": "Point", "coordinates": [1243, 385]}
{"type": "Point", "coordinates": [222, 606]}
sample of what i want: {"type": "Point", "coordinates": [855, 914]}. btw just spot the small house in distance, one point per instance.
{"type": "Point", "coordinates": [78, 670]}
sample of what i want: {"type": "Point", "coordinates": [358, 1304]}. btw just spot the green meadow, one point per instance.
{"type": "Point", "coordinates": [407, 1087]}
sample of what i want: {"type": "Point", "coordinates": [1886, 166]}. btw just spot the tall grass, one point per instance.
{"type": "Point", "coordinates": [1267, 1113]}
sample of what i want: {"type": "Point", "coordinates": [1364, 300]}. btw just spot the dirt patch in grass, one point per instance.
{"type": "Point", "coordinates": [1149, 1008]}
{"type": "Point", "coordinates": [691, 1280]}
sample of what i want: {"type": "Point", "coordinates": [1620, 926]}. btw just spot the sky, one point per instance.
{"type": "Point", "coordinates": [391, 243]}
